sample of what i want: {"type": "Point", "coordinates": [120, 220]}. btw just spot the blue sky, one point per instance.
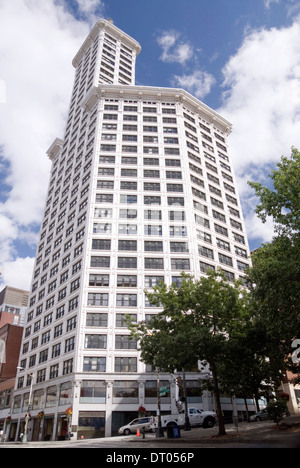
{"type": "Point", "coordinates": [240, 57]}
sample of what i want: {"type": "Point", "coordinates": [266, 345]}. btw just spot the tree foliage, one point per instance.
{"type": "Point", "coordinates": [197, 322]}
{"type": "Point", "coordinates": [275, 274]}
{"type": "Point", "coordinates": [282, 202]}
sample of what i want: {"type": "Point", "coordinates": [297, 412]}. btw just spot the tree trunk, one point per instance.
{"type": "Point", "coordinates": [222, 430]}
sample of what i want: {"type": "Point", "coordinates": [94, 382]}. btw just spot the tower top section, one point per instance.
{"type": "Point", "coordinates": [106, 26]}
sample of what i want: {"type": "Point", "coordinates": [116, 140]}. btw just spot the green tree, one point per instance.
{"type": "Point", "coordinates": [276, 410]}
{"type": "Point", "coordinates": [282, 201]}
{"type": "Point", "coordinates": [197, 322]}
{"type": "Point", "coordinates": [275, 274]}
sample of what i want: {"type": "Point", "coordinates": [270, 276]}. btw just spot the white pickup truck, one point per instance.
{"type": "Point", "coordinates": [196, 417]}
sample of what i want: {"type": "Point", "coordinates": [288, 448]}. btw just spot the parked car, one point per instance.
{"type": "Point", "coordinates": [137, 423]}
{"type": "Point", "coordinates": [260, 416]}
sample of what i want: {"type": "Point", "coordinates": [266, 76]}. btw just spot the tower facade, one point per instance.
{"type": "Point", "coordinates": [141, 189]}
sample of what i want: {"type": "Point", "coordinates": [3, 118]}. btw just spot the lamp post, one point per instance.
{"type": "Point", "coordinates": [187, 425]}
{"type": "Point", "coordinates": [24, 439]}
{"type": "Point", "coordinates": [159, 430]}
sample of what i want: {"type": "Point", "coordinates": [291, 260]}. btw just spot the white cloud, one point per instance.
{"type": "Point", "coordinates": [173, 49]}
{"type": "Point", "coordinates": [17, 273]}
{"type": "Point", "coordinates": [38, 41]}
{"type": "Point", "coordinates": [198, 83]}
{"type": "Point", "coordinates": [90, 9]}
{"type": "Point", "coordinates": [269, 2]}
{"type": "Point", "coordinates": [263, 103]}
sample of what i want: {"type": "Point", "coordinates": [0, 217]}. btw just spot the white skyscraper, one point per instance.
{"type": "Point", "coordinates": [141, 189]}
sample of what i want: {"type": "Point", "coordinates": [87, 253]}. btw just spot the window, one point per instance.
{"type": "Point", "coordinates": [127, 262]}
{"type": "Point", "coordinates": [121, 320]}
{"type": "Point", "coordinates": [128, 229]}
{"type": "Point", "coordinates": [153, 230]}
{"type": "Point", "coordinates": [128, 172]}
{"type": "Point", "coordinates": [175, 201]}
{"type": "Point", "coordinates": [102, 228]}
{"type": "Point", "coordinates": [73, 304]}
{"type": "Point", "coordinates": [235, 224]}
{"type": "Point", "coordinates": [150, 150]}
{"type": "Point", "coordinates": [99, 280]}
{"type": "Point", "coordinates": [152, 186]}
{"type": "Point", "coordinates": [125, 342]}
{"type": "Point", "coordinates": [97, 299]}
{"type": "Point", "coordinates": [180, 264]}
{"type": "Point", "coordinates": [153, 246]}
{"type": "Point", "coordinates": [94, 364]}
{"type": "Point", "coordinates": [151, 162]}
{"type": "Point", "coordinates": [126, 281]}
{"type": "Point", "coordinates": [128, 185]}
{"type": "Point", "coordinates": [173, 175]}
{"type": "Point", "coordinates": [204, 267]}
{"type": "Point", "coordinates": [71, 323]}
{"type": "Point", "coordinates": [125, 364]}
{"type": "Point", "coordinates": [205, 252]}
{"type": "Point", "coordinates": [96, 320]}
{"type": "Point", "coordinates": [219, 216]}
{"type": "Point", "coordinates": [154, 263]}
{"type": "Point", "coordinates": [238, 238]}
{"type": "Point", "coordinates": [103, 213]}
{"type": "Point", "coordinates": [151, 173]}
{"type": "Point", "coordinates": [129, 245]}
{"type": "Point", "coordinates": [104, 198]}
{"type": "Point", "coordinates": [221, 230]}
{"type": "Point", "coordinates": [173, 162]}
{"type": "Point", "coordinates": [242, 266]}
{"type": "Point", "coordinates": [70, 344]}
{"type": "Point", "coordinates": [178, 231]}
{"type": "Point", "coordinates": [225, 259]}
{"type": "Point", "coordinates": [101, 244]}
{"type": "Point", "coordinates": [174, 188]}
{"type": "Point", "coordinates": [223, 244]}
{"type": "Point", "coordinates": [93, 391]}
{"type": "Point", "coordinates": [56, 350]}
{"type": "Point", "coordinates": [43, 356]}
{"type": "Point", "coordinates": [58, 330]}
{"type": "Point", "coordinates": [240, 252]}
{"type": "Point", "coordinates": [95, 341]}
{"type": "Point", "coordinates": [126, 300]}
{"type": "Point", "coordinates": [129, 213]}
{"type": "Point", "coordinates": [229, 276]}
{"type": "Point", "coordinates": [179, 247]}
{"type": "Point", "coordinates": [128, 199]}
{"type": "Point", "coordinates": [100, 262]}
{"type": "Point", "coordinates": [106, 171]}
{"type": "Point", "coordinates": [152, 214]}
{"type": "Point", "coordinates": [151, 200]}
{"type": "Point", "coordinates": [151, 281]}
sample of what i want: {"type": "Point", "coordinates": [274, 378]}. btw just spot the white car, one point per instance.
{"type": "Point", "coordinates": [138, 423]}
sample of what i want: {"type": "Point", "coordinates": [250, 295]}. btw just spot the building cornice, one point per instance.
{"type": "Point", "coordinates": [110, 28]}
{"type": "Point", "coordinates": [175, 95]}
{"type": "Point", "coordinates": [55, 149]}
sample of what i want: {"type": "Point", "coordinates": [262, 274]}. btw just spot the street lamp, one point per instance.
{"type": "Point", "coordinates": [159, 429]}
{"type": "Point", "coordinates": [24, 439]}
{"type": "Point", "coordinates": [187, 425]}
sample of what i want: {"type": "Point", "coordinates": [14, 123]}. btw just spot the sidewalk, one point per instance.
{"type": "Point", "coordinates": [286, 435]}
{"type": "Point", "coordinates": [254, 434]}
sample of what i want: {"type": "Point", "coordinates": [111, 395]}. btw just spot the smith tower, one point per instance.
{"type": "Point", "coordinates": [141, 189]}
